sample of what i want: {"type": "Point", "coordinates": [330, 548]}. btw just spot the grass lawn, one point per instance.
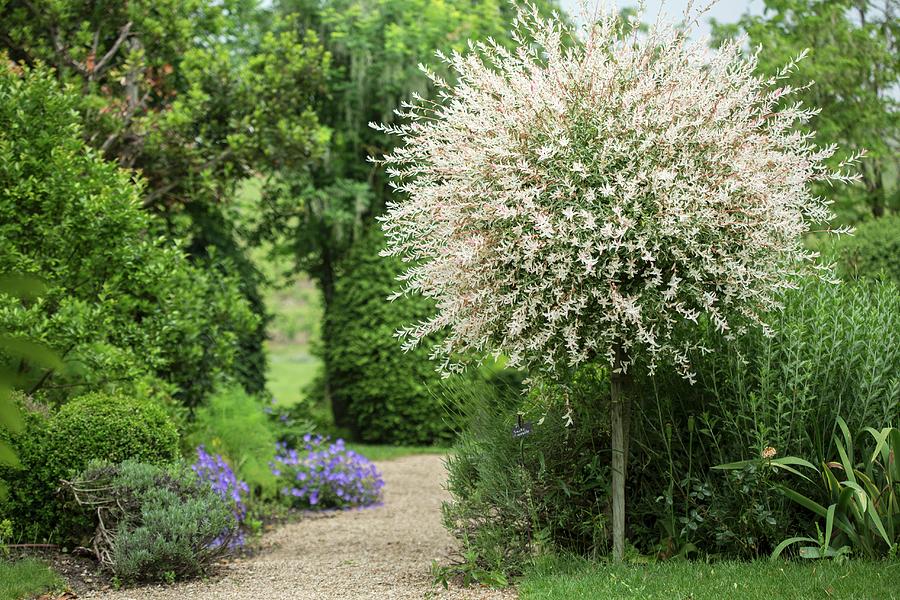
{"type": "Point", "coordinates": [375, 452]}
{"type": "Point", "coordinates": [291, 369]}
{"type": "Point", "coordinates": [27, 578]}
{"type": "Point", "coordinates": [575, 579]}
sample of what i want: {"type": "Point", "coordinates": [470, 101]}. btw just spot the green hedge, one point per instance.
{"type": "Point", "coordinates": [385, 392]}
{"type": "Point", "coordinates": [56, 446]}
{"type": "Point", "coordinates": [873, 250]}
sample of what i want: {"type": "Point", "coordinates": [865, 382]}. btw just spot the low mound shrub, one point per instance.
{"type": "Point", "coordinates": [514, 497]}
{"type": "Point", "coordinates": [156, 523]}
{"type": "Point", "coordinates": [326, 475]}
{"type": "Point", "coordinates": [53, 447]}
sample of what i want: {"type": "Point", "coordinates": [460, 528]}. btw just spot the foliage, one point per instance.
{"type": "Point", "coordinates": [571, 578]}
{"type": "Point", "coordinates": [20, 351]}
{"type": "Point", "coordinates": [388, 397]}
{"type": "Point", "coordinates": [219, 475]}
{"type": "Point", "coordinates": [55, 447]}
{"type": "Point", "coordinates": [197, 98]}
{"type": "Point", "coordinates": [853, 60]}
{"type": "Point", "coordinates": [551, 232]}
{"type": "Point", "coordinates": [122, 309]}
{"type": "Point", "coordinates": [832, 353]}
{"type": "Point", "coordinates": [872, 251]}
{"type": "Point", "coordinates": [324, 475]}
{"type": "Point", "coordinates": [234, 424]}
{"type": "Point", "coordinates": [154, 523]}
{"type": "Point", "coordinates": [514, 498]}
{"type": "Point", "coordinates": [26, 578]}
{"type": "Point", "coordinates": [863, 514]}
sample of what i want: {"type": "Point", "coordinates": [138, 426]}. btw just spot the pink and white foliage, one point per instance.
{"type": "Point", "coordinates": [582, 192]}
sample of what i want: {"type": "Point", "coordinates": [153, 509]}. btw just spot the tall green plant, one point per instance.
{"type": "Point", "coordinates": [863, 513]}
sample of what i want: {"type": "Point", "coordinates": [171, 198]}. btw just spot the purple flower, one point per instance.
{"type": "Point", "coordinates": [331, 475]}
{"type": "Point", "coordinates": [219, 475]}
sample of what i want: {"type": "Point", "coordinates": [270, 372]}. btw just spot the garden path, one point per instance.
{"type": "Point", "coordinates": [381, 553]}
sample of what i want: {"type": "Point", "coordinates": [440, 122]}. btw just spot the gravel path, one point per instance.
{"type": "Point", "coordinates": [381, 553]}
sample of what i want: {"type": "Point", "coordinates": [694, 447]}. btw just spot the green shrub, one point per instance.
{"type": "Point", "coordinates": [157, 523]}
{"type": "Point", "coordinates": [513, 498]}
{"type": "Point", "coordinates": [233, 424]}
{"type": "Point", "coordinates": [873, 250]}
{"type": "Point", "coordinates": [54, 447]}
{"type": "Point", "coordinates": [123, 309]}
{"type": "Point", "coordinates": [834, 353]}
{"type": "Point", "coordinates": [384, 391]}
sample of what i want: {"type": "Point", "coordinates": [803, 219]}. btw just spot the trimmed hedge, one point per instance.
{"type": "Point", "coordinates": [58, 446]}
{"type": "Point", "coordinates": [385, 392]}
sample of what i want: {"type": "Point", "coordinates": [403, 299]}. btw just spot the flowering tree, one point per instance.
{"type": "Point", "coordinates": [578, 198]}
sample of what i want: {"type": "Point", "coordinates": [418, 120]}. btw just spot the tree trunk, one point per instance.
{"type": "Point", "coordinates": [620, 417]}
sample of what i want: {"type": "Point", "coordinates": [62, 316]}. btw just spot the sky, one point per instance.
{"type": "Point", "coordinates": [726, 11]}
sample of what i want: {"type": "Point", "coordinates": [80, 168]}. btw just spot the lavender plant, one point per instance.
{"type": "Point", "coordinates": [213, 470]}
{"type": "Point", "coordinates": [326, 475]}
{"type": "Point", "coordinates": [581, 197]}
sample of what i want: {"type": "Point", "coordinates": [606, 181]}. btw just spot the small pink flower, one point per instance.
{"type": "Point", "coordinates": [769, 453]}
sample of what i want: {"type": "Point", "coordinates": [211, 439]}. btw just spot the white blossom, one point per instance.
{"type": "Point", "coordinates": [581, 193]}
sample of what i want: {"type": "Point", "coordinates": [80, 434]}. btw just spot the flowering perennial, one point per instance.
{"type": "Point", "coordinates": [325, 475]}
{"type": "Point", "coordinates": [219, 475]}
{"type": "Point", "coordinates": [580, 194]}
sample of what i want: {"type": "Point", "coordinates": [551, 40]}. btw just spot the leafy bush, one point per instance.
{"type": "Point", "coordinates": [512, 498]}
{"type": "Point", "coordinates": [123, 309]}
{"type": "Point", "coordinates": [54, 447]}
{"type": "Point", "coordinates": [383, 392]}
{"type": "Point", "coordinates": [155, 523]}
{"type": "Point", "coordinates": [873, 250]}
{"type": "Point", "coordinates": [234, 424]}
{"type": "Point", "coordinates": [863, 514]}
{"type": "Point", "coordinates": [324, 475]}
{"type": "Point", "coordinates": [218, 474]}
{"type": "Point", "coordinates": [833, 353]}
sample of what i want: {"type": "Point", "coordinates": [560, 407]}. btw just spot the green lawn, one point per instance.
{"type": "Point", "coordinates": [291, 369]}
{"type": "Point", "coordinates": [374, 452]}
{"type": "Point", "coordinates": [27, 578]}
{"type": "Point", "coordinates": [575, 579]}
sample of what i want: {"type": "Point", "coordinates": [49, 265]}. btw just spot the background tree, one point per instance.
{"type": "Point", "coordinates": [854, 60]}
{"type": "Point", "coordinates": [577, 204]}
{"type": "Point", "coordinates": [193, 97]}
{"type": "Point", "coordinates": [317, 215]}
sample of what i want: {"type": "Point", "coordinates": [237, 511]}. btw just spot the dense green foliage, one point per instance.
{"type": "Point", "coordinates": [160, 523]}
{"type": "Point", "coordinates": [833, 354]}
{"type": "Point", "coordinates": [196, 97]}
{"type": "Point", "coordinates": [387, 394]}
{"type": "Point", "coordinates": [568, 578]}
{"type": "Point", "coordinates": [872, 251]}
{"type": "Point", "coordinates": [853, 49]}
{"type": "Point", "coordinates": [233, 424]}
{"type": "Point", "coordinates": [121, 308]}
{"type": "Point", "coordinates": [549, 489]}
{"type": "Point", "coordinates": [56, 446]}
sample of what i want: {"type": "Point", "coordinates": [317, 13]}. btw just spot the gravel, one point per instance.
{"type": "Point", "coordinates": [379, 553]}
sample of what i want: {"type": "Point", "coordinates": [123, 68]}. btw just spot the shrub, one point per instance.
{"type": "Point", "coordinates": [833, 353]}
{"type": "Point", "coordinates": [156, 523]}
{"type": "Point", "coordinates": [55, 447]}
{"type": "Point", "coordinates": [324, 475]}
{"type": "Point", "coordinates": [234, 424]}
{"type": "Point", "coordinates": [872, 251]}
{"type": "Point", "coordinates": [123, 309]}
{"type": "Point", "coordinates": [384, 392]}
{"type": "Point", "coordinates": [512, 498]}
{"type": "Point", "coordinates": [214, 471]}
